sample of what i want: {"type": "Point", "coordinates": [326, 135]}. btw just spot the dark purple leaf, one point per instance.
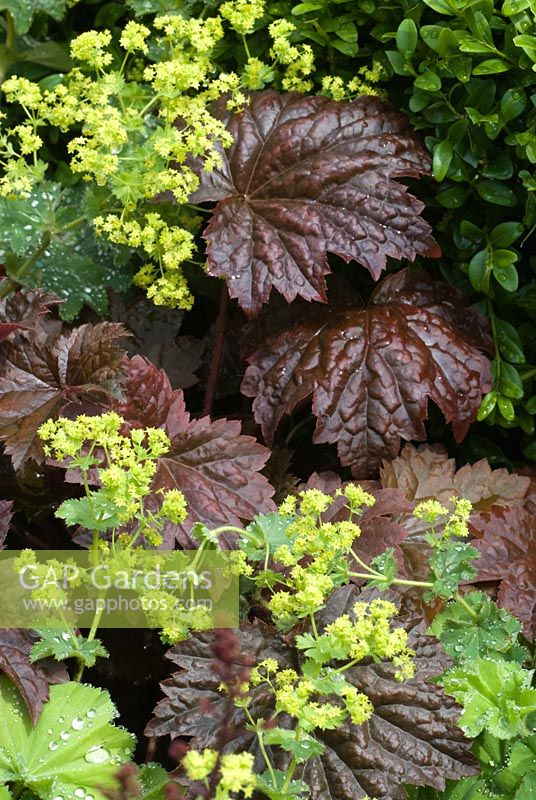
{"type": "Point", "coordinates": [32, 680]}
{"type": "Point", "coordinates": [211, 462]}
{"type": "Point", "coordinates": [371, 371]}
{"type": "Point", "coordinates": [306, 176]}
{"type": "Point", "coordinates": [6, 513]}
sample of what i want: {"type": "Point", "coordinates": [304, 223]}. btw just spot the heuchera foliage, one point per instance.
{"type": "Point", "coordinates": [303, 177]}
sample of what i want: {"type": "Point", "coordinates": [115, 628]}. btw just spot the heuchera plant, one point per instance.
{"type": "Point", "coordinates": [385, 647]}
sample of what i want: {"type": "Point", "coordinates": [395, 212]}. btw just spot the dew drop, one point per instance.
{"type": "Point", "coordinates": [91, 713]}
{"type": "Point", "coordinates": [77, 724]}
{"type": "Point", "coordinates": [53, 746]}
{"type": "Point", "coordinates": [97, 755]}
{"type": "Point", "coordinates": [65, 735]}
{"type": "Point", "coordinates": [79, 792]}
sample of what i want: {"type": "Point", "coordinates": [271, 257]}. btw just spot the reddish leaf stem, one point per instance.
{"type": "Point", "coordinates": [218, 351]}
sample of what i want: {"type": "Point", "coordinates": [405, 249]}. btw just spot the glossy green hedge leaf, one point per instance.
{"type": "Point", "coordinates": [442, 159]}
{"type": "Point", "coordinates": [506, 274]}
{"type": "Point", "coordinates": [510, 384]}
{"type": "Point", "coordinates": [406, 38]}
{"type": "Point", "coordinates": [488, 631]}
{"type": "Point", "coordinates": [479, 270]}
{"type": "Point", "coordinates": [512, 103]}
{"type": "Point", "coordinates": [491, 66]}
{"type": "Point", "coordinates": [305, 8]}
{"type": "Point", "coordinates": [506, 233]}
{"type": "Point", "coordinates": [453, 197]}
{"type": "Point", "coordinates": [440, 6]}
{"type": "Point", "coordinates": [512, 7]}
{"type": "Point", "coordinates": [496, 696]}
{"type": "Point", "coordinates": [509, 342]}
{"type": "Point", "coordinates": [487, 406]}
{"type": "Point", "coordinates": [72, 749]}
{"type": "Point", "coordinates": [497, 193]}
{"type": "Point", "coordinates": [399, 64]}
{"type": "Point", "coordinates": [442, 40]}
{"type": "Point", "coordinates": [527, 44]}
{"type": "Point", "coordinates": [506, 407]}
{"type": "Point", "coordinates": [428, 81]}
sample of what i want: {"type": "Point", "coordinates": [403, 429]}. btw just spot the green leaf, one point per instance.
{"type": "Point", "coordinates": [510, 344]}
{"type": "Point", "coordinates": [305, 8]}
{"type": "Point", "coordinates": [527, 44]}
{"type": "Point", "coordinates": [487, 632]}
{"type": "Point", "coordinates": [506, 233]}
{"type": "Point", "coordinates": [496, 696]}
{"type": "Point", "coordinates": [498, 193]}
{"type": "Point", "coordinates": [152, 779]}
{"type": "Point", "coordinates": [399, 64]}
{"type": "Point", "coordinates": [487, 405]}
{"type": "Point", "coordinates": [451, 565]}
{"type": "Point", "coordinates": [428, 81]}
{"type": "Point", "coordinates": [441, 6]}
{"type": "Point", "coordinates": [479, 270]}
{"type": "Point", "coordinates": [442, 159]}
{"type": "Point", "coordinates": [23, 11]}
{"type": "Point", "coordinates": [506, 407]}
{"type": "Point", "coordinates": [295, 789]}
{"type": "Point", "coordinates": [406, 38]}
{"type": "Point", "coordinates": [491, 66]}
{"type": "Point", "coordinates": [454, 197]}
{"type": "Point", "coordinates": [302, 749]}
{"type": "Point", "coordinates": [266, 531]}
{"type": "Point", "coordinates": [512, 7]}
{"type": "Point", "coordinates": [72, 747]}
{"type": "Point", "coordinates": [386, 564]}
{"type": "Point", "coordinates": [512, 104]}
{"type": "Point", "coordinates": [510, 383]}
{"type": "Point", "coordinates": [73, 264]}
{"type": "Point", "coordinates": [61, 646]}
{"type": "Point", "coordinates": [505, 274]}
{"type": "Point", "coordinates": [97, 514]}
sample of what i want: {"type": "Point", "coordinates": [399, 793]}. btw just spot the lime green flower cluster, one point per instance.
{"type": "Point", "coordinates": [364, 82]}
{"type": "Point", "coordinates": [123, 114]}
{"type": "Point", "coordinates": [456, 524]}
{"type": "Point", "coordinates": [316, 553]}
{"type": "Point", "coordinates": [125, 466]}
{"type": "Point", "coordinates": [235, 770]}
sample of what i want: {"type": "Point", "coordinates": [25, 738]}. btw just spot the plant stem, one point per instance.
{"type": "Point", "coordinates": [289, 775]}
{"type": "Point", "coordinates": [461, 600]}
{"type": "Point", "coordinates": [11, 283]}
{"type": "Point", "coordinates": [399, 581]}
{"type": "Point", "coordinates": [218, 351]}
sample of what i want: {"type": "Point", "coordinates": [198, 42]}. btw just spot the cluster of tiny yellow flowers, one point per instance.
{"type": "Point", "coordinates": [51, 578]}
{"type": "Point", "coordinates": [235, 771]}
{"type": "Point", "coordinates": [297, 61]}
{"type": "Point", "coordinates": [363, 83]}
{"type": "Point", "coordinates": [371, 634]}
{"type": "Point", "coordinates": [456, 524]}
{"type": "Point", "coordinates": [325, 544]}
{"type": "Point", "coordinates": [242, 14]}
{"type": "Point", "coordinates": [175, 623]}
{"type": "Point", "coordinates": [125, 464]}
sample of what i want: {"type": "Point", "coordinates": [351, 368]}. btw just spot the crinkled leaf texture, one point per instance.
{"type": "Point", "coordinates": [507, 544]}
{"type": "Point", "coordinates": [22, 310]}
{"type": "Point", "coordinates": [211, 462]}
{"type": "Point", "coordinates": [411, 738]}
{"type": "Point", "coordinates": [44, 371]}
{"type": "Point", "coordinates": [23, 11]}
{"type": "Point", "coordinates": [6, 513]}
{"type": "Point", "coordinates": [371, 371]}
{"type": "Point", "coordinates": [32, 680]}
{"type": "Point", "coordinates": [72, 746]}
{"type": "Point", "coordinates": [303, 177]}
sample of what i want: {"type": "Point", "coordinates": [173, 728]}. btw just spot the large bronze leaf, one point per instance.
{"type": "Point", "coordinates": [303, 177]}
{"type": "Point", "coordinates": [44, 372]}
{"type": "Point", "coordinates": [411, 738]}
{"type": "Point", "coordinates": [211, 462]}
{"type": "Point", "coordinates": [371, 371]}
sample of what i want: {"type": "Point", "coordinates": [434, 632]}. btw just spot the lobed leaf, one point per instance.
{"type": "Point", "coordinates": [42, 374]}
{"type": "Point", "coordinates": [371, 371]}
{"type": "Point", "coordinates": [303, 177]}
{"type": "Point", "coordinates": [211, 462]}
{"type": "Point", "coordinates": [32, 680]}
